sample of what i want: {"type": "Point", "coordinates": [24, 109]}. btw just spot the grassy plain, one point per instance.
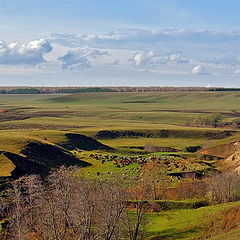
{"type": "Point", "coordinates": [47, 118]}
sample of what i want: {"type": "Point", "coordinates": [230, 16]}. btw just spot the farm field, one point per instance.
{"type": "Point", "coordinates": [118, 134]}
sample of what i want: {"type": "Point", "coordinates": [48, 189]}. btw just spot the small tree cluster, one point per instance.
{"type": "Point", "coordinates": [212, 120]}
{"type": "Point", "coordinates": [219, 188]}
{"type": "Point", "coordinates": [154, 181]}
{"type": "Point", "coordinates": [191, 189]}
{"type": "Point", "coordinates": [224, 187]}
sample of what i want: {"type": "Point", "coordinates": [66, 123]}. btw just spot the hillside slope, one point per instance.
{"type": "Point", "coordinates": [40, 158]}
{"type": "Point", "coordinates": [223, 150]}
{"type": "Point", "coordinates": [232, 163]}
{"type": "Point", "coordinates": [83, 142]}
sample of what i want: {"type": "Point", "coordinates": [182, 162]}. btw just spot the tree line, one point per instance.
{"type": "Point", "coordinates": [49, 90]}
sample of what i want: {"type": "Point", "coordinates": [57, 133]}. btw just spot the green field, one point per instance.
{"type": "Point", "coordinates": [184, 224]}
{"type": "Point", "coordinates": [41, 117]}
{"type": "Point", "coordinates": [47, 118]}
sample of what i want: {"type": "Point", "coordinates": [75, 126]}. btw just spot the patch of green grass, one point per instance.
{"type": "Point", "coordinates": [107, 169]}
{"type": "Point", "coordinates": [185, 224]}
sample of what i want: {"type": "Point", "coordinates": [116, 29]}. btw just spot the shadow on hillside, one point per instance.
{"type": "Point", "coordinates": [173, 234]}
{"type": "Point", "coordinates": [40, 158]}
{"type": "Point", "coordinates": [83, 142]}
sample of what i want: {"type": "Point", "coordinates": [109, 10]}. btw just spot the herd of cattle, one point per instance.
{"type": "Point", "coordinates": [168, 162]}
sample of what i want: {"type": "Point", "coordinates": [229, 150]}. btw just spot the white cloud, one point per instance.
{"type": "Point", "coordinates": [141, 59]}
{"type": "Point", "coordinates": [151, 58]}
{"type": "Point", "coordinates": [213, 47]}
{"type": "Point", "coordinates": [171, 51]}
{"type": "Point", "coordinates": [237, 71]}
{"type": "Point", "coordinates": [199, 70]}
{"type": "Point", "coordinates": [30, 53]}
{"type": "Point", "coordinates": [171, 59]}
{"type": "Point", "coordinates": [81, 58]}
{"type": "Point", "coordinates": [119, 38]}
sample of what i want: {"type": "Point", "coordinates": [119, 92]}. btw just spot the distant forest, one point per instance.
{"type": "Point", "coordinates": [51, 90]}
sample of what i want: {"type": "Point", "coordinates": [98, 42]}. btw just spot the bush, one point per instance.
{"type": "Point", "coordinates": [193, 149]}
{"type": "Point", "coordinates": [212, 120]}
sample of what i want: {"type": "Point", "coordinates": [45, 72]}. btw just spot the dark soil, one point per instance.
{"type": "Point", "coordinates": [84, 143]}
{"type": "Point", "coordinates": [154, 148]}
{"type": "Point", "coordinates": [193, 149]}
{"type": "Point", "coordinates": [164, 134]}
{"type": "Point", "coordinates": [51, 156]}
{"type": "Point", "coordinates": [191, 175]}
{"type": "Point", "coordinates": [24, 166]}
{"type": "Point", "coordinates": [40, 158]}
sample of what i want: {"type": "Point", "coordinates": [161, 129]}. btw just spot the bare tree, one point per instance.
{"type": "Point", "coordinates": [64, 207]}
{"type": "Point", "coordinates": [112, 203]}
{"type": "Point", "coordinates": [83, 210]}
{"type": "Point", "coordinates": [56, 200]}
{"type": "Point", "coordinates": [153, 175]}
{"type": "Point", "coordinates": [224, 187]}
{"type": "Point", "coordinates": [135, 221]}
{"type": "Point", "coordinates": [16, 212]}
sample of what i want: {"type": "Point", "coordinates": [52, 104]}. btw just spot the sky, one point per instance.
{"type": "Point", "coordinates": [120, 43]}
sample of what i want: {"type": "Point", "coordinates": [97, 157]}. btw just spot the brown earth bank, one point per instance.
{"type": "Point", "coordinates": [152, 148]}
{"type": "Point", "coordinates": [164, 134]}
{"type": "Point", "coordinates": [223, 222]}
{"type": "Point", "coordinates": [222, 151]}
{"type": "Point", "coordinates": [232, 163]}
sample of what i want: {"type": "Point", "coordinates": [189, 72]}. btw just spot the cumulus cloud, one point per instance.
{"type": "Point", "coordinates": [81, 58]}
{"type": "Point", "coordinates": [141, 59]}
{"type": "Point", "coordinates": [237, 71]}
{"type": "Point", "coordinates": [150, 58]}
{"type": "Point", "coordinates": [171, 59]}
{"type": "Point", "coordinates": [30, 53]}
{"type": "Point", "coordinates": [126, 37]}
{"type": "Point", "coordinates": [199, 70]}
{"type": "Point", "coordinates": [215, 47]}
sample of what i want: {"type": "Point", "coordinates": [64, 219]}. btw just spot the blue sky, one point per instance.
{"type": "Point", "coordinates": [127, 42]}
